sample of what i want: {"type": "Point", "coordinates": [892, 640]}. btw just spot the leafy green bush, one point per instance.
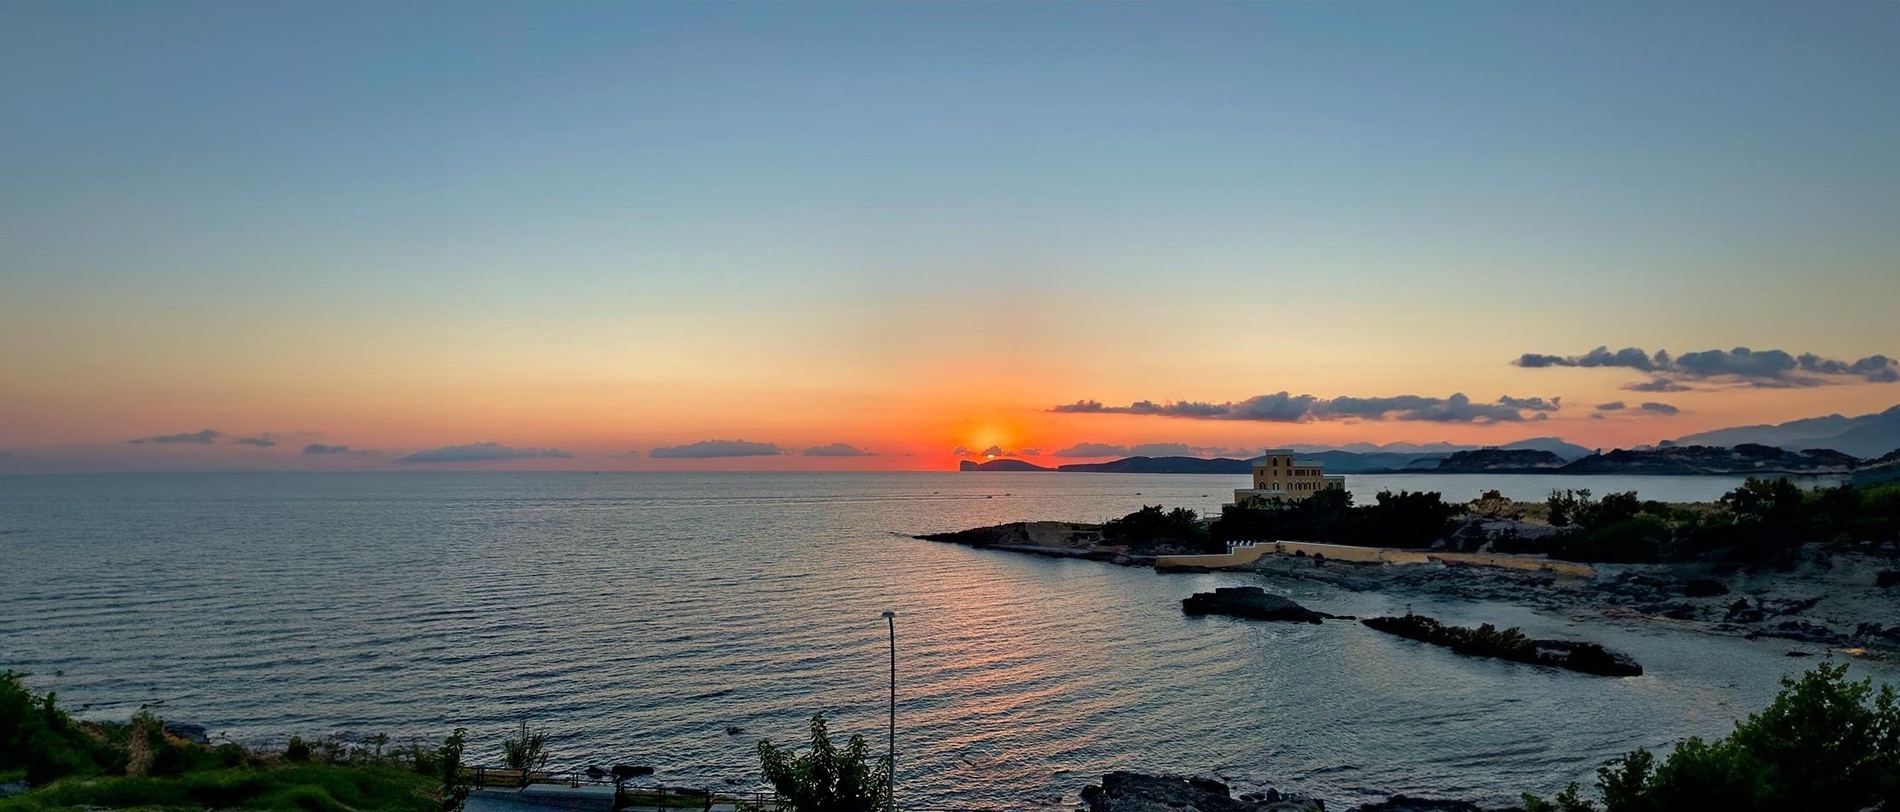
{"type": "Point", "coordinates": [1636, 539]}
{"type": "Point", "coordinates": [824, 778]}
{"type": "Point", "coordinates": [1826, 744]}
{"type": "Point", "coordinates": [1152, 525]}
{"type": "Point", "coordinates": [43, 742]}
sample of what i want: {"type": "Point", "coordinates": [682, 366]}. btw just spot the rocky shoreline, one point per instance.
{"type": "Point", "coordinates": [1847, 601]}
{"type": "Point", "coordinates": [1137, 792]}
{"type": "Point", "coordinates": [1830, 600]}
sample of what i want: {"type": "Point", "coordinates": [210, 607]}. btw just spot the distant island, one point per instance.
{"type": "Point", "coordinates": [1747, 459]}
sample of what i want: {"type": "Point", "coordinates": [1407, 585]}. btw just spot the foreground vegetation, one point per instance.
{"type": "Point", "coordinates": [826, 777]}
{"type": "Point", "coordinates": [1825, 744]}
{"type": "Point", "coordinates": [73, 764]}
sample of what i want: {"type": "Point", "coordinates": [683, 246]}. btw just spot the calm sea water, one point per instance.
{"type": "Point", "coordinates": [636, 616]}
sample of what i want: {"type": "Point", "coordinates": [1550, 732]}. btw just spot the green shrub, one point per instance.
{"type": "Point", "coordinates": [1826, 744]}
{"type": "Point", "coordinates": [43, 742]}
{"type": "Point", "coordinates": [825, 779]}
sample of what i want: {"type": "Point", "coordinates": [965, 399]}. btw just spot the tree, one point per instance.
{"type": "Point", "coordinates": [455, 788]}
{"type": "Point", "coordinates": [825, 779]}
{"type": "Point", "coordinates": [1152, 525]}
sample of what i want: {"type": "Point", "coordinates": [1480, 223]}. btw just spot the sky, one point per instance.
{"type": "Point", "coordinates": [781, 236]}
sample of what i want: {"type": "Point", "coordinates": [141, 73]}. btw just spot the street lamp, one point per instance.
{"type": "Point", "coordinates": [890, 757]}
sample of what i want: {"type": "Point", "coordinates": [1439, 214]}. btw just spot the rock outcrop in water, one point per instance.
{"type": "Point", "coordinates": [1510, 644]}
{"type": "Point", "coordinates": [1135, 792]}
{"type": "Point", "coordinates": [1249, 602]}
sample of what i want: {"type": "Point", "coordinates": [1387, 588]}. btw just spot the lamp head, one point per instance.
{"type": "Point", "coordinates": [889, 614]}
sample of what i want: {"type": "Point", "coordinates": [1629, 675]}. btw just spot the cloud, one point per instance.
{"type": "Point", "coordinates": [1142, 450]}
{"type": "Point", "coordinates": [205, 437]}
{"type": "Point", "coordinates": [478, 452]}
{"type": "Point", "coordinates": [1740, 362]}
{"type": "Point", "coordinates": [260, 442]}
{"type": "Point", "coordinates": [996, 451]}
{"type": "Point", "coordinates": [1660, 408]}
{"type": "Point", "coordinates": [1532, 404]}
{"type": "Point", "coordinates": [1093, 450]}
{"type": "Point", "coordinates": [1612, 406]}
{"type": "Point", "coordinates": [320, 448]}
{"type": "Point", "coordinates": [714, 449]}
{"type": "Point", "coordinates": [1176, 409]}
{"type": "Point", "coordinates": [1630, 357]}
{"type": "Point", "coordinates": [1282, 407]}
{"type": "Point", "coordinates": [838, 450]}
{"type": "Point", "coordinates": [1875, 368]}
{"type": "Point", "coordinates": [1741, 365]}
{"type": "Point", "coordinates": [1657, 385]}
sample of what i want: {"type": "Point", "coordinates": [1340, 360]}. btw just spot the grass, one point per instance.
{"type": "Point", "coordinates": [290, 787]}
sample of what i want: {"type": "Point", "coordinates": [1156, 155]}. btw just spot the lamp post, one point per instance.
{"type": "Point", "coordinates": [890, 757]}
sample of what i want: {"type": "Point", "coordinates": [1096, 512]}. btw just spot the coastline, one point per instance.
{"type": "Point", "coordinates": [1831, 600]}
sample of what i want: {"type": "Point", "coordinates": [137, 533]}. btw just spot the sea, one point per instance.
{"type": "Point", "coordinates": [642, 618]}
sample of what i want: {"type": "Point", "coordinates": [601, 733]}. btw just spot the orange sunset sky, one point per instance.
{"type": "Point", "coordinates": [857, 236]}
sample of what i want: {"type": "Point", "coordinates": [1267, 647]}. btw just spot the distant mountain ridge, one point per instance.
{"type": "Point", "coordinates": [1869, 435]}
{"type": "Point", "coordinates": [1555, 445]}
{"type": "Point", "coordinates": [1747, 458]}
{"type": "Point", "coordinates": [1839, 443]}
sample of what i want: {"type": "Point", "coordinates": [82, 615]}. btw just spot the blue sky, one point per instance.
{"type": "Point", "coordinates": [698, 198]}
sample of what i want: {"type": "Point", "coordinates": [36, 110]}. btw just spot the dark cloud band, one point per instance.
{"type": "Point", "coordinates": [205, 437]}
{"type": "Point", "coordinates": [1283, 407]}
{"type": "Point", "coordinates": [1765, 368]}
{"type": "Point", "coordinates": [714, 449]}
{"type": "Point", "coordinates": [477, 452]}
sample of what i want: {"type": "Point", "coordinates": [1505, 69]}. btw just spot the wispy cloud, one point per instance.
{"type": "Point", "coordinates": [1612, 406]}
{"type": "Point", "coordinates": [320, 448]}
{"type": "Point", "coordinates": [838, 450]}
{"type": "Point", "coordinates": [1657, 385]}
{"type": "Point", "coordinates": [478, 452]}
{"type": "Point", "coordinates": [1660, 408]}
{"type": "Point", "coordinates": [1284, 407]}
{"type": "Point", "coordinates": [713, 449]}
{"type": "Point", "coordinates": [260, 442]}
{"type": "Point", "coordinates": [1741, 365]}
{"type": "Point", "coordinates": [996, 451]}
{"type": "Point", "coordinates": [205, 437]}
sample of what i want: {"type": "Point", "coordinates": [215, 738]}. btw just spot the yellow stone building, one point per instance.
{"type": "Point", "coordinates": [1277, 475]}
